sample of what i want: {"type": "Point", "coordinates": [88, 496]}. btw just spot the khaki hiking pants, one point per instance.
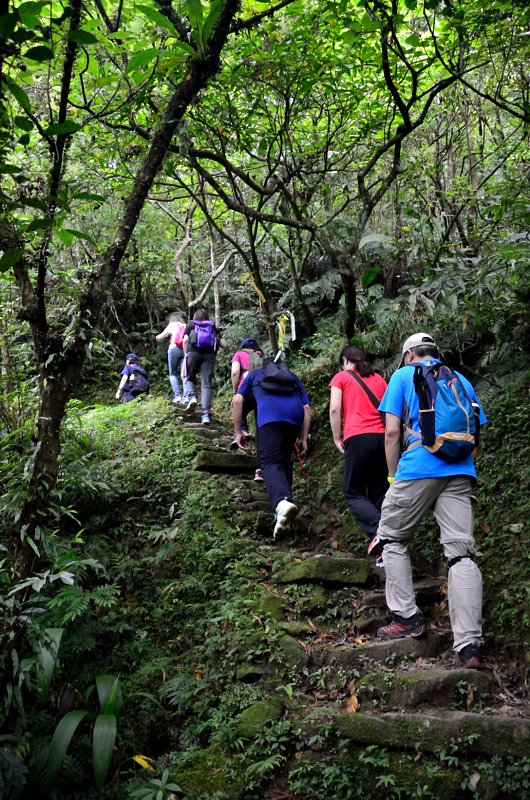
{"type": "Point", "coordinates": [405, 505]}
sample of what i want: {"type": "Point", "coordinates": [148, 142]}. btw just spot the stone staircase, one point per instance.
{"type": "Point", "coordinates": [325, 604]}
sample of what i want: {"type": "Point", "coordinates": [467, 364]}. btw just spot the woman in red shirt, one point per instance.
{"type": "Point", "coordinates": [362, 439]}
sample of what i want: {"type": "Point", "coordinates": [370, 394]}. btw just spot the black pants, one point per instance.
{"type": "Point", "coordinates": [275, 446]}
{"type": "Point", "coordinates": [365, 478]}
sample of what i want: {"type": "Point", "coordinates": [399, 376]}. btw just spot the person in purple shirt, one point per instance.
{"type": "Point", "coordinates": [420, 481]}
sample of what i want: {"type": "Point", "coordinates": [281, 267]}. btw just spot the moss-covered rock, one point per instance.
{"type": "Point", "coordinates": [476, 734]}
{"type": "Point", "coordinates": [254, 718]}
{"type": "Point", "coordinates": [332, 571]}
{"type": "Point", "coordinates": [222, 462]}
{"type": "Point", "coordinates": [250, 673]}
{"type": "Point", "coordinates": [316, 600]}
{"type": "Point", "coordinates": [297, 628]}
{"type": "Point", "coordinates": [214, 772]}
{"type": "Point", "coordinates": [292, 652]}
{"type": "Point", "coordinates": [272, 606]}
{"type": "Point", "coordinates": [320, 525]}
{"type": "Point", "coordinates": [427, 647]}
{"type": "Point", "coordinates": [428, 688]}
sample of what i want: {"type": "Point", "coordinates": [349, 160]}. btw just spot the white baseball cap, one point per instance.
{"type": "Point", "coordinates": [416, 340]}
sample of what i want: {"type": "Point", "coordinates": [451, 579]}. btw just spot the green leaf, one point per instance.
{"type": "Point", "coordinates": [89, 196]}
{"type": "Point", "coordinates": [372, 238]}
{"type": "Point", "coordinates": [61, 128]}
{"type": "Point", "coordinates": [103, 746]}
{"type": "Point", "coordinates": [24, 123]}
{"type": "Point", "coordinates": [39, 53]}
{"type": "Point", "coordinates": [10, 258]}
{"type": "Point", "coordinates": [156, 17]}
{"type": "Point", "coordinates": [80, 235]}
{"type": "Point", "coordinates": [110, 695]}
{"type": "Point", "coordinates": [39, 225]}
{"type": "Point", "coordinates": [369, 276]}
{"type": "Point", "coordinates": [10, 169]}
{"type": "Point", "coordinates": [66, 237]}
{"type": "Point", "coordinates": [61, 739]}
{"type": "Point", "coordinates": [8, 23]}
{"type": "Point", "coordinates": [20, 95]}
{"type": "Point", "coordinates": [216, 9]}
{"type": "Point", "coordinates": [411, 4]}
{"type": "Point", "coordinates": [46, 654]}
{"type": "Point", "coordinates": [32, 202]}
{"type": "Point", "coordinates": [81, 37]}
{"type": "Point", "coordinates": [24, 139]}
{"type": "Point", "coordinates": [141, 59]}
{"type": "Point", "coordinates": [187, 48]}
{"type": "Point", "coordinates": [195, 15]}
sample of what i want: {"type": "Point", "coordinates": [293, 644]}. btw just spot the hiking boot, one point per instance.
{"type": "Point", "coordinates": [258, 476]}
{"type": "Point", "coordinates": [470, 657]}
{"type": "Point", "coordinates": [177, 398]}
{"type": "Point", "coordinates": [205, 419]}
{"type": "Point", "coordinates": [285, 513]}
{"type": "Point", "coordinates": [375, 548]}
{"type": "Point", "coordinates": [192, 404]}
{"type": "Point", "coordinates": [412, 627]}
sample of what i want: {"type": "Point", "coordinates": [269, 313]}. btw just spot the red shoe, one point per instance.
{"type": "Point", "coordinates": [470, 657]}
{"type": "Point", "coordinates": [258, 476]}
{"type": "Point", "coordinates": [399, 628]}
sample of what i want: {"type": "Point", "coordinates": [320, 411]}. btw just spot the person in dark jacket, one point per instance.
{"type": "Point", "coordinates": [201, 342]}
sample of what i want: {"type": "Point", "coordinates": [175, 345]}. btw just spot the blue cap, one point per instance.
{"type": "Point", "coordinates": [252, 343]}
{"type": "Point", "coordinates": [131, 357]}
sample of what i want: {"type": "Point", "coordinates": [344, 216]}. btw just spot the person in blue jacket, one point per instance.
{"type": "Point", "coordinates": [281, 420]}
{"type": "Point", "coordinates": [420, 481]}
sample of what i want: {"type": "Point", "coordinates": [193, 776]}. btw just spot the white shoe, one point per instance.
{"type": "Point", "coordinates": [285, 513]}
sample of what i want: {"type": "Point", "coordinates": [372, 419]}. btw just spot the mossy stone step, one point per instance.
{"type": "Point", "coordinates": [436, 688]}
{"type": "Point", "coordinates": [200, 432]}
{"type": "Point", "coordinates": [253, 719]}
{"type": "Point", "coordinates": [323, 569]}
{"type": "Point", "coordinates": [475, 734]}
{"type": "Point", "coordinates": [429, 646]}
{"type": "Point", "coordinates": [218, 461]}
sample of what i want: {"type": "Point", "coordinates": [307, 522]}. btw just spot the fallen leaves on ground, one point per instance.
{"type": "Point", "coordinates": [352, 705]}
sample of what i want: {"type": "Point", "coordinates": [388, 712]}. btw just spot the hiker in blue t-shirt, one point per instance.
{"type": "Point", "coordinates": [281, 420]}
{"type": "Point", "coordinates": [420, 481]}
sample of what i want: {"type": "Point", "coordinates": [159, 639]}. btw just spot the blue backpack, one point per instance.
{"type": "Point", "coordinates": [203, 335]}
{"type": "Point", "coordinates": [448, 419]}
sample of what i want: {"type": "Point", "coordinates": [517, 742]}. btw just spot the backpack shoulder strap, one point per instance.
{"type": "Point", "coordinates": [368, 391]}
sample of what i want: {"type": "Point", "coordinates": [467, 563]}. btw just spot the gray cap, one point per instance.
{"type": "Point", "coordinates": [416, 340]}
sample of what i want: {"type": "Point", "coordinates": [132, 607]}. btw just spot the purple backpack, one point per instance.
{"type": "Point", "coordinates": [203, 336]}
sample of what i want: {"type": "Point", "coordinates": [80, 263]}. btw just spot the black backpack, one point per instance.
{"type": "Point", "coordinates": [278, 379]}
{"type": "Point", "coordinates": [137, 383]}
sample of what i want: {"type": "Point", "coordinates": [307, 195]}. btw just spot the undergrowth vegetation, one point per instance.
{"type": "Point", "coordinates": [153, 579]}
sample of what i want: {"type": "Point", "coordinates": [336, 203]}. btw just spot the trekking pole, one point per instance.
{"type": "Point", "coordinates": [300, 460]}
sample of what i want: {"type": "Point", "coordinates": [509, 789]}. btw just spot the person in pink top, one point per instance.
{"type": "Point", "coordinates": [247, 358]}
{"type": "Point", "coordinates": [355, 395]}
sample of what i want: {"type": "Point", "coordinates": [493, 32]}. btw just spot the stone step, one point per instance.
{"type": "Point", "coordinates": [373, 612]}
{"type": "Point", "coordinates": [436, 688]}
{"type": "Point", "coordinates": [201, 432]}
{"type": "Point", "coordinates": [390, 651]}
{"type": "Point", "coordinates": [427, 591]}
{"type": "Point", "coordinates": [474, 734]}
{"type": "Point", "coordinates": [218, 461]}
{"type": "Point", "coordinates": [346, 571]}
